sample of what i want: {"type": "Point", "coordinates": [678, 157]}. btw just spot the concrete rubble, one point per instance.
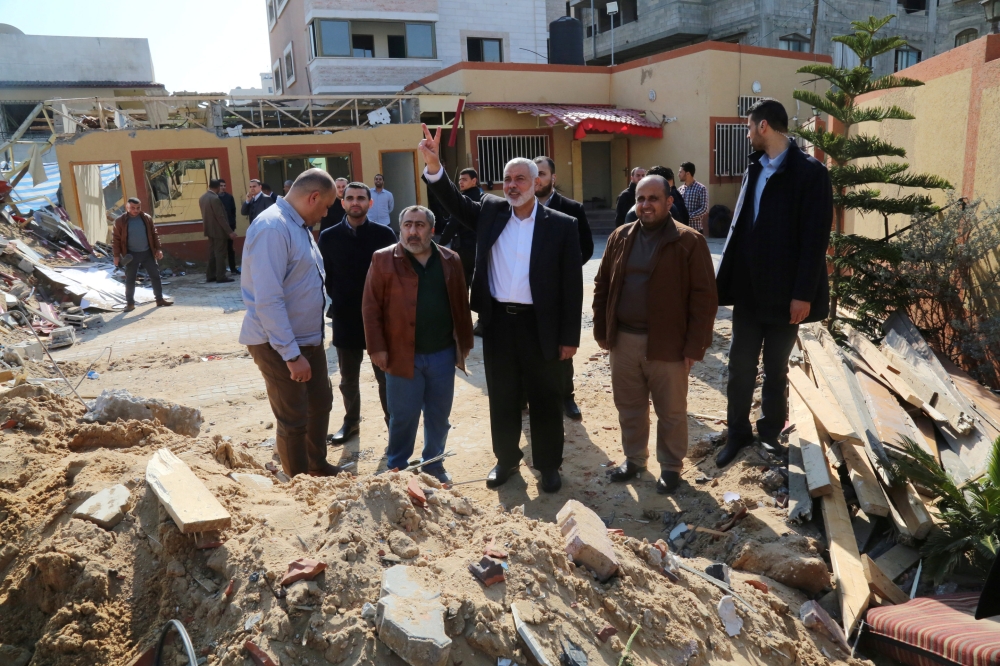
{"type": "Point", "coordinates": [106, 508]}
{"type": "Point", "coordinates": [114, 404]}
{"type": "Point", "coordinates": [410, 620]}
{"type": "Point", "coordinates": [587, 539]}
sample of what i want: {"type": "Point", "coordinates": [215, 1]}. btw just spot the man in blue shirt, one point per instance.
{"type": "Point", "coordinates": [282, 283]}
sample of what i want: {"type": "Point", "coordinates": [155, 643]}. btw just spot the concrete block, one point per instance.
{"type": "Point", "coordinates": [404, 582]}
{"type": "Point", "coordinates": [29, 349]}
{"type": "Point", "coordinates": [487, 570]}
{"type": "Point", "coordinates": [587, 540]}
{"type": "Point", "coordinates": [62, 337]}
{"type": "Point", "coordinates": [106, 508]}
{"type": "Point", "coordinates": [191, 505]}
{"type": "Point", "coordinates": [114, 404]}
{"type": "Point", "coordinates": [413, 629]}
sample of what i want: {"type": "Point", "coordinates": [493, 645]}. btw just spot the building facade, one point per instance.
{"type": "Point", "coordinates": [381, 46]}
{"type": "Point", "coordinates": [645, 27]}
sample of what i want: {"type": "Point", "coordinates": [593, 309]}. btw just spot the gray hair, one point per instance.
{"type": "Point", "coordinates": [428, 215]}
{"type": "Point", "coordinates": [313, 180]}
{"type": "Point", "coordinates": [346, 180]}
{"type": "Point", "coordinates": [525, 162]}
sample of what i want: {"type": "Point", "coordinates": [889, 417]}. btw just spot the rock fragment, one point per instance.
{"type": "Point", "coordinates": [106, 508]}
{"type": "Point", "coordinates": [402, 545]}
{"type": "Point", "coordinates": [587, 539]}
{"type": "Point", "coordinates": [488, 570]}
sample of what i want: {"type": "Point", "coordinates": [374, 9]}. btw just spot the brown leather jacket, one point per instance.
{"type": "Point", "coordinates": [682, 296]}
{"type": "Point", "coordinates": [389, 307]}
{"type": "Point", "coordinates": [119, 238]}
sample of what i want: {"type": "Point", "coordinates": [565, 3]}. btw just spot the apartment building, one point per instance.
{"type": "Point", "coordinates": [645, 27]}
{"type": "Point", "coordinates": [381, 46]}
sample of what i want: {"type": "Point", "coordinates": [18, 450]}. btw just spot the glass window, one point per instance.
{"type": "Point", "coordinates": [794, 42]}
{"type": "Point", "coordinates": [419, 40]}
{"type": "Point", "coordinates": [485, 50]}
{"type": "Point", "coordinates": [966, 36]}
{"type": "Point", "coordinates": [364, 46]}
{"type": "Point", "coordinates": [174, 187]}
{"type": "Point", "coordinates": [276, 170]}
{"type": "Point", "coordinates": [334, 38]}
{"type": "Point", "coordinates": [397, 46]}
{"type": "Point", "coordinates": [906, 58]}
{"type": "Point", "coordinates": [289, 67]}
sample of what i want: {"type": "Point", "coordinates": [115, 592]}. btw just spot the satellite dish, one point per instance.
{"type": "Point", "coordinates": [756, 87]}
{"type": "Point", "coordinates": [379, 117]}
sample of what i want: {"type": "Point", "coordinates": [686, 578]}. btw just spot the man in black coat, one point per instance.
{"type": "Point", "coordinates": [547, 195]}
{"type": "Point", "coordinates": [335, 213]}
{"type": "Point", "coordinates": [347, 248]}
{"type": "Point", "coordinates": [528, 291]}
{"type": "Point", "coordinates": [256, 201]}
{"type": "Point", "coordinates": [229, 203]}
{"type": "Point", "coordinates": [773, 271]}
{"type": "Point", "coordinates": [626, 200]}
{"type": "Point", "coordinates": [461, 237]}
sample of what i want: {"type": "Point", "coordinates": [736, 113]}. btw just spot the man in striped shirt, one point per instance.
{"type": "Point", "coordinates": [695, 197]}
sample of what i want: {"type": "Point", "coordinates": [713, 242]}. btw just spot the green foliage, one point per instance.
{"type": "Point", "coordinates": [871, 282]}
{"type": "Point", "coordinates": [970, 515]}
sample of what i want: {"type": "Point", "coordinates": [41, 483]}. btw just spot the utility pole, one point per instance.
{"type": "Point", "coordinates": [812, 33]}
{"type": "Point", "coordinates": [593, 29]}
{"type": "Point", "coordinates": [612, 9]}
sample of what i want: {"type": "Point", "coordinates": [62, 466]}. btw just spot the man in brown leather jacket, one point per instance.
{"type": "Point", "coordinates": [654, 307]}
{"type": "Point", "coordinates": [136, 244]}
{"type": "Point", "coordinates": [418, 328]}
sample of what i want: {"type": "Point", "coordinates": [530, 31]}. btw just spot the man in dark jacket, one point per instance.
{"type": "Point", "coordinates": [678, 210]}
{"type": "Point", "coordinates": [461, 237]}
{"type": "Point", "coordinates": [347, 248]}
{"type": "Point", "coordinates": [336, 212]}
{"type": "Point", "coordinates": [229, 203]}
{"type": "Point", "coordinates": [773, 271]}
{"type": "Point", "coordinates": [626, 200]}
{"type": "Point", "coordinates": [136, 244]}
{"type": "Point", "coordinates": [546, 194]}
{"type": "Point", "coordinates": [256, 201]}
{"type": "Point", "coordinates": [528, 291]}
{"type": "Point", "coordinates": [216, 225]}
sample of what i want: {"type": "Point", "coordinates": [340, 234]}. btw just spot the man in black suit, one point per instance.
{"type": "Point", "coordinates": [461, 237]}
{"type": "Point", "coordinates": [256, 201]}
{"type": "Point", "coordinates": [546, 194]}
{"type": "Point", "coordinates": [626, 200]}
{"type": "Point", "coordinates": [773, 271]}
{"type": "Point", "coordinates": [335, 213]}
{"type": "Point", "coordinates": [528, 291]}
{"type": "Point", "coordinates": [229, 203]}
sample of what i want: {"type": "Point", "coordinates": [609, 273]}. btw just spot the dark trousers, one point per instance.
{"type": "Point", "coordinates": [302, 409]}
{"type": "Point", "coordinates": [231, 251]}
{"type": "Point", "coordinates": [216, 259]}
{"type": "Point", "coordinates": [148, 261]}
{"type": "Point", "coordinates": [569, 391]}
{"type": "Point", "coordinates": [350, 372]}
{"type": "Point", "coordinates": [468, 256]}
{"type": "Point", "coordinates": [515, 366]}
{"type": "Point", "coordinates": [750, 336]}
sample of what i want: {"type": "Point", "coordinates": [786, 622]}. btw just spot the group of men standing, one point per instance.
{"type": "Point", "coordinates": [690, 200]}
{"type": "Point", "coordinates": [655, 300]}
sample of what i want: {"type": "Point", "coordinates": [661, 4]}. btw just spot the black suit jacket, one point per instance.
{"type": "Point", "coordinates": [230, 205]}
{"type": "Point", "coordinates": [781, 256]}
{"type": "Point", "coordinates": [556, 267]}
{"type": "Point", "coordinates": [256, 207]}
{"type": "Point", "coordinates": [575, 210]}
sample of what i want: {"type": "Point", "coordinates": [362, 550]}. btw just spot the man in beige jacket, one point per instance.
{"type": "Point", "coordinates": [216, 222]}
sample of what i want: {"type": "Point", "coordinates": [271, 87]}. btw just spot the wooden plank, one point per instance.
{"type": "Point", "coordinates": [927, 389]}
{"type": "Point", "coordinates": [896, 560]}
{"type": "Point", "coordinates": [813, 461]}
{"type": "Point", "coordinates": [831, 370]}
{"type": "Point", "coordinates": [831, 416]}
{"type": "Point", "coordinates": [865, 482]}
{"type": "Point", "coordinates": [884, 369]}
{"type": "Point", "coordinates": [799, 500]}
{"type": "Point", "coordinates": [892, 423]}
{"type": "Point", "coordinates": [928, 432]}
{"type": "Point", "coordinates": [911, 509]}
{"type": "Point", "coordinates": [881, 584]}
{"type": "Point", "coordinates": [192, 506]}
{"type": "Point", "coordinates": [984, 401]}
{"type": "Point", "coordinates": [848, 570]}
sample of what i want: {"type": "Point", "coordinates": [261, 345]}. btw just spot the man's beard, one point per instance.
{"type": "Point", "coordinates": [544, 193]}
{"type": "Point", "coordinates": [414, 245]}
{"type": "Point", "coordinates": [520, 200]}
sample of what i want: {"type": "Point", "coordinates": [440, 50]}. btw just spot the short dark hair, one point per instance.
{"type": "Point", "coordinates": [265, 186]}
{"type": "Point", "coordinates": [254, 180]}
{"type": "Point", "coordinates": [772, 111]}
{"type": "Point", "coordinates": [214, 184]}
{"type": "Point", "coordinates": [471, 173]}
{"type": "Point", "coordinates": [222, 180]}
{"type": "Point", "coordinates": [688, 166]}
{"type": "Point", "coordinates": [548, 160]}
{"type": "Point", "coordinates": [378, 174]}
{"type": "Point", "coordinates": [666, 172]}
{"type": "Point", "coordinates": [133, 200]}
{"type": "Point", "coordinates": [358, 186]}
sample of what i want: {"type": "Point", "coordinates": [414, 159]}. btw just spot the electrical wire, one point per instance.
{"type": "Point", "coordinates": [185, 639]}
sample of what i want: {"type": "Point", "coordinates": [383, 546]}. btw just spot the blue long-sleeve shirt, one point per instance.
{"type": "Point", "coordinates": [282, 283]}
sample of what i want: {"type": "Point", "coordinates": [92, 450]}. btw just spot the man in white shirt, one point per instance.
{"type": "Point", "coordinates": [528, 291]}
{"type": "Point", "coordinates": [382, 203]}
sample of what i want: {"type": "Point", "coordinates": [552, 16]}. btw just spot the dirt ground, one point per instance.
{"type": "Point", "coordinates": [79, 594]}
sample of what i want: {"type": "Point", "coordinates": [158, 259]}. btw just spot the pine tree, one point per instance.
{"type": "Point", "coordinates": [861, 264]}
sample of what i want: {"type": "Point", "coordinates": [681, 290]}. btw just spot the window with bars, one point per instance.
{"type": "Point", "coordinates": [731, 149]}
{"type": "Point", "coordinates": [496, 151]}
{"type": "Point", "coordinates": [744, 104]}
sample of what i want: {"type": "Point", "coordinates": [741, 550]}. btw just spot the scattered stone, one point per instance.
{"type": "Point", "coordinates": [252, 621]}
{"type": "Point", "coordinates": [252, 481]}
{"type": "Point", "coordinates": [302, 569]}
{"type": "Point", "coordinates": [777, 605]}
{"type": "Point", "coordinates": [758, 585]}
{"type": "Point", "coordinates": [192, 506]}
{"type": "Point", "coordinates": [781, 561]}
{"type": "Point", "coordinates": [587, 540]}
{"type": "Point", "coordinates": [462, 507]}
{"type": "Point", "coordinates": [488, 570]}
{"type": "Point", "coordinates": [106, 508]}
{"type": "Point", "coordinates": [415, 492]}
{"type": "Point", "coordinates": [114, 404]}
{"type": "Point", "coordinates": [719, 571]}
{"type": "Point", "coordinates": [607, 632]}
{"type": "Point", "coordinates": [303, 592]}
{"type": "Point", "coordinates": [727, 613]}
{"type": "Point", "coordinates": [772, 480]}
{"type": "Point", "coordinates": [402, 545]}
{"type": "Point", "coordinates": [403, 581]}
{"type": "Point", "coordinates": [175, 569]}
{"type": "Point", "coordinates": [368, 612]}
{"type": "Point", "coordinates": [413, 629]}
{"type": "Point", "coordinates": [817, 619]}
{"type": "Point", "coordinates": [12, 655]}
{"type": "Point", "coordinates": [700, 447]}
{"type": "Point", "coordinates": [260, 658]}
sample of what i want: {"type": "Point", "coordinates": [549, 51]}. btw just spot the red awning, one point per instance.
{"type": "Point", "coordinates": [585, 118]}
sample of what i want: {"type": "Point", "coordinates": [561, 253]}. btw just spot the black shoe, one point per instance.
{"type": "Point", "coordinates": [551, 481]}
{"type": "Point", "coordinates": [770, 445]}
{"type": "Point", "coordinates": [730, 450]}
{"type": "Point", "coordinates": [163, 304]}
{"type": "Point", "coordinates": [571, 410]}
{"type": "Point", "coordinates": [626, 471]}
{"type": "Point", "coordinates": [497, 476]}
{"type": "Point", "coordinates": [129, 307]}
{"type": "Point", "coordinates": [346, 432]}
{"type": "Point", "coordinates": [225, 280]}
{"type": "Point", "coordinates": [668, 482]}
{"type": "Point", "coordinates": [327, 469]}
{"type": "Point", "coordinates": [210, 280]}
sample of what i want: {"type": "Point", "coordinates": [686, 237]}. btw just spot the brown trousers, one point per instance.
{"type": "Point", "coordinates": [633, 380]}
{"type": "Point", "coordinates": [218, 250]}
{"type": "Point", "coordinates": [302, 409]}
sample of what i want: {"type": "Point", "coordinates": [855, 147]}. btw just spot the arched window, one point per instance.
{"type": "Point", "coordinates": [966, 36]}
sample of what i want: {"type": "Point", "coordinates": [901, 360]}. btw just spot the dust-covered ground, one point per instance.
{"type": "Point", "coordinates": [74, 593]}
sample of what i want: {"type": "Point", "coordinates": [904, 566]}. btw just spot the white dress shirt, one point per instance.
{"type": "Point", "coordinates": [510, 256]}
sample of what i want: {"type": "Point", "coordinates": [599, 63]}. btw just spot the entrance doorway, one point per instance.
{"type": "Point", "coordinates": [276, 170]}
{"type": "Point", "coordinates": [399, 170]}
{"type": "Point", "coordinates": [597, 174]}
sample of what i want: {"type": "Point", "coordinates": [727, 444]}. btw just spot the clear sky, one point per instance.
{"type": "Point", "coordinates": [197, 45]}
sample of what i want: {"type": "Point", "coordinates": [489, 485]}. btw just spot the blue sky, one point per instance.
{"type": "Point", "coordinates": [197, 45]}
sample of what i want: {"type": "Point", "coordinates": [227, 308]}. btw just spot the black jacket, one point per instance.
{"type": "Point", "coordinates": [334, 214]}
{"type": "Point", "coordinates": [452, 229]}
{"type": "Point", "coordinates": [678, 211]}
{"type": "Point", "coordinates": [575, 210]}
{"type": "Point", "coordinates": [783, 255]}
{"type": "Point", "coordinates": [555, 273]}
{"type": "Point", "coordinates": [625, 202]}
{"type": "Point", "coordinates": [256, 207]}
{"type": "Point", "coordinates": [347, 255]}
{"type": "Point", "coordinates": [230, 205]}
